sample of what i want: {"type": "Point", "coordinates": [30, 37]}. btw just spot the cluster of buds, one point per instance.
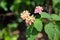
{"type": "Point", "coordinates": [38, 9]}
{"type": "Point", "coordinates": [25, 15]}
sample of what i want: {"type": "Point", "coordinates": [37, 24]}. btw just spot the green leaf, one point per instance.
{"type": "Point", "coordinates": [7, 38]}
{"type": "Point", "coordinates": [56, 5]}
{"type": "Point", "coordinates": [28, 2]}
{"type": "Point", "coordinates": [12, 8]}
{"type": "Point", "coordinates": [19, 20]}
{"type": "Point", "coordinates": [55, 17]}
{"type": "Point", "coordinates": [14, 37]}
{"type": "Point", "coordinates": [35, 31]}
{"type": "Point", "coordinates": [5, 34]}
{"type": "Point", "coordinates": [55, 2]}
{"type": "Point", "coordinates": [29, 30]}
{"type": "Point", "coordinates": [39, 2]}
{"type": "Point", "coordinates": [38, 25]}
{"type": "Point", "coordinates": [32, 37]}
{"type": "Point", "coordinates": [51, 29]}
{"type": "Point", "coordinates": [1, 34]}
{"type": "Point", "coordinates": [12, 25]}
{"type": "Point", "coordinates": [57, 32]}
{"type": "Point", "coordinates": [45, 15]}
{"type": "Point", "coordinates": [58, 23]}
{"type": "Point", "coordinates": [56, 37]}
{"type": "Point", "coordinates": [3, 5]}
{"type": "Point", "coordinates": [16, 5]}
{"type": "Point", "coordinates": [17, 1]}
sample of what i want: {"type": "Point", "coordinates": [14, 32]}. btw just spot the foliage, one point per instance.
{"type": "Point", "coordinates": [51, 28]}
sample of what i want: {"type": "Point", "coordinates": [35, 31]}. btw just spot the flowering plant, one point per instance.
{"type": "Point", "coordinates": [35, 25]}
{"type": "Point", "coordinates": [29, 19]}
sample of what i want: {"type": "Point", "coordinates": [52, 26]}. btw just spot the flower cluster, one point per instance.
{"type": "Point", "coordinates": [25, 15]}
{"type": "Point", "coordinates": [38, 9]}
{"type": "Point", "coordinates": [30, 20]}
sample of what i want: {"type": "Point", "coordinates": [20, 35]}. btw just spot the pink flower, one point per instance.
{"type": "Point", "coordinates": [38, 9]}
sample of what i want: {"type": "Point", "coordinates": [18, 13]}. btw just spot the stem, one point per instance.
{"type": "Point", "coordinates": [31, 29]}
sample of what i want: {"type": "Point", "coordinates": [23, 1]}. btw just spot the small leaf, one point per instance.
{"type": "Point", "coordinates": [55, 17]}
{"type": "Point", "coordinates": [38, 25]}
{"type": "Point", "coordinates": [17, 1]}
{"type": "Point", "coordinates": [55, 2]}
{"type": "Point", "coordinates": [14, 37]}
{"type": "Point", "coordinates": [3, 5]}
{"type": "Point", "coordinates": [7, 38]}
{"type": "Point", "coordinates": [28, 30]}
{"type": "Point", "coordinates": [28, 2]}
{"type": "Point", "coordinates": [19, 20]}
{"type": "Point", "coordinates": [12, 8]}
{"type": "Point", "coordinates": [32, 37]}
{"type": "Point", "coordinates": [45, 15]}
{"type": "Point", "coordinates": [13, 25]}
{"type": "Point", "coordinates": [1, 34]}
